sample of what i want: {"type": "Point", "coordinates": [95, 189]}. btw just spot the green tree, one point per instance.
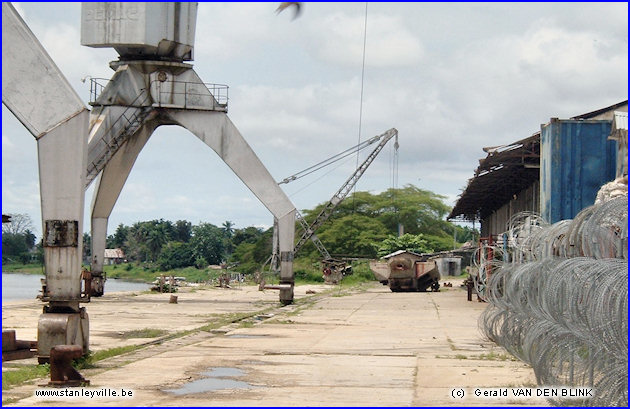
{"type": "Point", "coordinates": [183, 231]}
{"type": "Point", "coordinates": [175, 254]}
{"type": "Point", "coordinates": [207, 243]}
{"type": "Point", "coordinates": [228, 229]}
{"type": "Point", "coordinates": [263, 246]}
{"type": "Point", "coordinates": [353, 235]}
{"type": "Point", "coordinates": [29, 238]}
{"type": "Point", "coordinates": [87, 247]}
{"type": "Point", "coordinates": [409, 242]}
{"type": "Point", "coordinates": [14, 247]}
{"type": "Point", "coordinates": [246, 235]}
{"type": "Point", "coordinates": [417, 210]}
{"type": "Point", "coordinates": [144, 240]}
{"type": "Point", "coordinates": [18, 241]}
{"type": "Point", "coordinates": [244, 255]}
{"type": "Point", "coordinates": [254, 249]}
{"type": "Point", "coordinates": [156, 237]}
{"type": "Point", "coordinates": [119, 238]}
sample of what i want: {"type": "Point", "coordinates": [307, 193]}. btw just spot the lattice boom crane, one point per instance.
{"type": "Point", "coordinates": [308, 231]}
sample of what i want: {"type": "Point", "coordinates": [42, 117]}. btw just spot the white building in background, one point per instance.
{"type": "Point", "coordinates": [113, 256]}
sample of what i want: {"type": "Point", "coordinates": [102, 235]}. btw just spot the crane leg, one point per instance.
{"type": "Point", "coordinates": [286, 229]}
{"type": "Point", "coordinates": [217, 131]}
{"type": "Point", "coordinates": [61, 155]}
{"type": "Point", "coordinates": [108, 187]}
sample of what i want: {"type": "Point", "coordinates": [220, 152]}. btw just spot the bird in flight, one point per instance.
{"type": "Point", "coordinates": [286, 4]}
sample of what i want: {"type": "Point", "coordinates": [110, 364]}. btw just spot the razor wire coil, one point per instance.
{"type": "Point", "coordinates": [561, 303]}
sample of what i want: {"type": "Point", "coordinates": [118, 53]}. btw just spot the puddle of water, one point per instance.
{"type": "Point", "coordinates": [209, 384]}
{"type": "Point", "coordinates": [214, 380]}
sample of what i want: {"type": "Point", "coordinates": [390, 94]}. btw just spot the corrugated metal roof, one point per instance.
{"type": "Point", "coordinates": [506, 171]}
{"type": "Point", "coordinates": [114, 253]}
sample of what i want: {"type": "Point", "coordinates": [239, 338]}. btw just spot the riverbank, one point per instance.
{"type": "Point", "coordinates": [23, 287]}
{"type": "Point", "coordinates": [126, 271]}
{"type": "Point", "coordinates": [341, 346]}
{"type": "Point", "coordinates": [15, 268]}
{"type": "Point", "coordinates": [306, 272]}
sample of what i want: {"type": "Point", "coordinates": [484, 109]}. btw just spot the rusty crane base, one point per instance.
{"type": "Point", "coordinates": [62, 373]}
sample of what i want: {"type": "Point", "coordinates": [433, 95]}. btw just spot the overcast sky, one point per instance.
{"type": "Point", "coordinates": [452, 78]}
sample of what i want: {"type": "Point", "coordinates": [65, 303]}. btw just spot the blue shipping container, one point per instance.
{"type": "Point", "coordinates": [576, 160]}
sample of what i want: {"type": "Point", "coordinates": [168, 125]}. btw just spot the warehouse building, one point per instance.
{"type": "Point", "coordinates": [555, 172]}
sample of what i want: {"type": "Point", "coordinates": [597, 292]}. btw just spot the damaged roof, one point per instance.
{"type": "Point", "coordinates": [114, 253]}
{"type": "Point", "coordinates": [506, 171]}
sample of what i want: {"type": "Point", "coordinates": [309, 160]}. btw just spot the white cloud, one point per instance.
{"type": "Point", "coordinates": [338, 38]}
{"type": "Point", "coordinates": [138, 198]}
{"type": "Point", "coordinates": [227, 31]}
{"type": "Point", "coordinates": [292, 119]}
{"type": "Point", "coordinates": [524, 79]}
{"type": "Point", "coordinates": [553, 50]}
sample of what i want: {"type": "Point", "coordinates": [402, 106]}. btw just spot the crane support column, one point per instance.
{"type": "Point", "coordinates": [39, 95]}
{"type": "Point", "coordinates": [108, 187]}
{"type": "Point", "coordinates": [217, 131]}
{"type": "Point", "coordinates": [62, 154]}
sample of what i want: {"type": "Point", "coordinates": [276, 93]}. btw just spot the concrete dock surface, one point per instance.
{"type": "Point", "coordinates": [335, 346]}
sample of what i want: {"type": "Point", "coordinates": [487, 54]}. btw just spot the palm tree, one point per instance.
{"type": "Point", "coordinates": [156, 238]}
{"type": "Point", "coordinates": [228, 229]}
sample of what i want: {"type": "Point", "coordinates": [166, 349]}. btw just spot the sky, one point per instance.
{"type": "Point", "coordinates": [452, 78]}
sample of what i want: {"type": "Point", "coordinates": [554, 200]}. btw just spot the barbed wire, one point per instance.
{"type": "Point", "coordinates": [561, 303]}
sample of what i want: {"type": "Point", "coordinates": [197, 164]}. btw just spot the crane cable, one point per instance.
{"type": "Point", "coordinates": [361, 98]}
{"type": "Point", "coordinates": [329, 161]}
{"type": "Point", "coordinates": [316, 180]}
{"type": "Point", "coordinates": [394, 173]}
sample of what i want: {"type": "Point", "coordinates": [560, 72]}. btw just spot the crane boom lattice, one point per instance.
{"type": "Point", "coordinates": [309, 230]}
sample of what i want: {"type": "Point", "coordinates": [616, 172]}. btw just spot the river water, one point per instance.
{"type": "Point", "coordinates": [16, 286]}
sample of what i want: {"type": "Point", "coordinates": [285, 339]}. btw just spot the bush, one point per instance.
{"type": "Point", "coordinates": [25, 258]}
{"type": "Point", "coordinates": [201, 262]}
{"type": "Point", "coordinates": [308, 276]}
